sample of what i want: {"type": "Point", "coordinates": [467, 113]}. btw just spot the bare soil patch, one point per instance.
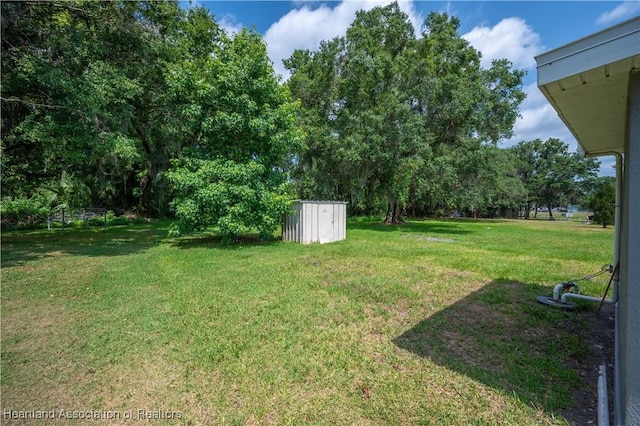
{"type": "Point", "coordinates": [598, 332]}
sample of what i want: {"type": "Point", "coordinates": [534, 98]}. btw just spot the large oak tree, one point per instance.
{"type": "Point", "coordinates": [382, 107]}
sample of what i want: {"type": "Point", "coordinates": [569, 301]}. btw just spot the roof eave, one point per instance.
{"type": "Point", "coordinates": [586, 82]}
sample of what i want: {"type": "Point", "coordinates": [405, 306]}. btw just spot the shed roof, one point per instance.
{"type": "Point", "coordinates": [587, 83]}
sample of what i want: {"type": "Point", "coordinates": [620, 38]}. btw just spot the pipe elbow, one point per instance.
{"type": "Point", "coordinates": [564, 288]}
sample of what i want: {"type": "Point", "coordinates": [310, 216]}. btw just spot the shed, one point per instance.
{"type": "Point", "coordinates": [594, 85]}
{"type": "Point", "coordinates": [316, 222]}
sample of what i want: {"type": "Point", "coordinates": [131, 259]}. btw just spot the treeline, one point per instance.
{"type": "Point", "coordinates": [401, 122]}
{"type": "Point", "coordinates": [149, 107]}
{"type": "Point", "coordinates": [145, 106]}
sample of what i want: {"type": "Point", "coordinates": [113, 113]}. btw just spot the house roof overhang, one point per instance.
{"type": "Point", "coordinates": [587, 81]}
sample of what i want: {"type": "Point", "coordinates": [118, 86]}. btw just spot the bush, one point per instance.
{"type": "Point", "coordinates": [23, 213]}
{"type": "Point", "coordinates": [235, 197]}
{"type": "Point", "coordinates": [97, 220]}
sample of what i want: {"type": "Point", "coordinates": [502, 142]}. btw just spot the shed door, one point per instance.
{"type": "Point", "coordinates": [325, 223]}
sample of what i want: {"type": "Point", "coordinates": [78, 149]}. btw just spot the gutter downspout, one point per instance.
{"type": "Point", "coordinates": [618, 224]}
{"type": "Point", "coordinates": [617, 392]}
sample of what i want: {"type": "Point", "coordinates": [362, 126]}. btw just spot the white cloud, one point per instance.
{"type": "Point", "coordinates": [416, 18]}
{"type": "Point", "coordinates": [511, 38]}
{"type": "Point", "coordinates": [230, 24]}
{"type": "Point", "coordinates": [607, 166]}
{"type": "Point", "coordinates": [306, 27]}
{"type": "Point", "coordinates": [514, 40]}
{"type": "Point", "coordinates": [625, 10]}
{"type": "Point", "coordinates": [538, 120]}
{"type": "Point", "coordinates": [541, 122]}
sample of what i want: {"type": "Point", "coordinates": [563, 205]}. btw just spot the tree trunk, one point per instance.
{"type": "Point", "coordinates": [550, 213]}
{"type": "Point", "coordinates": [144, 193]}
{"type": "Point", "coordinates": [393, 213]}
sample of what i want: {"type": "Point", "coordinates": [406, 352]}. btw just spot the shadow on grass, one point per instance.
{"type": "Point", "coordinates": [500, 336]}
{"type": "Point", "coordinates": [220, 242]}
{"type": "Point", "coordinates": [431, 226]}
{"type": "Point", "coordinates": [19, 247]}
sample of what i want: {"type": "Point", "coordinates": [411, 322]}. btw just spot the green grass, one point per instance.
{"type": "Point", "coordinates": [431, 322]}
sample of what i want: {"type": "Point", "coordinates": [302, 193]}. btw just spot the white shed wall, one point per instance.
{"type": "Point", "coordinates": [316, 222]}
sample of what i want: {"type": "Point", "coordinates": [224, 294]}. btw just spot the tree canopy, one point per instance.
{"type": "Point", "coordinates": [101, 99]}
{"type": "Point", "coordinates": [552, 176]}
{"type": "Point", "coordinates": [243, 130]}
{"type": "Point", "coordinates": [387, 113]}
{"type": "Point", "coordinates": [145, 106]}
{"type": "Point", "coordinates": [83, 94]}
{"type": "Point", "coordinates": [602, 201]}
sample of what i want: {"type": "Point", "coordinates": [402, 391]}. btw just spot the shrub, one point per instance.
{"type": "Point", "coordinates": [23, 213]}
{"type": "Point", "coordinates": [235, 197]}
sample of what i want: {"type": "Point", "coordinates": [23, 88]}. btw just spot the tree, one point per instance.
{"type": "Point", "coordinates": [376, 115]}
{"type": "Point", "coordinates": [602, 201]}
{"type": "Point", "coordinates": [382, 107]}
{"type": "Point", "coordinates": [101, 99]}
{"type": "Point", "coordinates": [235, 197]}
{"type": "Point", "coordinates": [83, 94]}
{"type": "Point", "coordinates": [242, 128]}
{"type": "Point", "coordinates": [354, 111]}
{"type": "Point", "coordinates": [486, 180]}
{"type": "Point", "coordinates": [525, 154]}
{"type": "Point", "coordinates": [70, 192]}
{"type": "Point", "coordinates": [551, 175]}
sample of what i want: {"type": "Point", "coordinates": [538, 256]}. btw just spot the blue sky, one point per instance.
{"type": "Point", "coordinates": [516, 30]}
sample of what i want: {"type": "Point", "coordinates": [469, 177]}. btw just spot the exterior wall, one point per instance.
{"type": "Point", "coordinates": [316, 222]}
{"type": "Point", "coordinates": [291, 229]}
{"type": "Point", "coordinates": [310, 223]}
{"type": "Point", "coordinates": [629, 292]}
{"type": "Point", "coordinates": [340, 221]}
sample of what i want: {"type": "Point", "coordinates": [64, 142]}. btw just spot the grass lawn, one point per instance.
{"type": "Point", "coordinates": [431, 322]}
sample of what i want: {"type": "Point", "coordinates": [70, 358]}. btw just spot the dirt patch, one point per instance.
{"type": "Point", "coordinates": [598, 333]}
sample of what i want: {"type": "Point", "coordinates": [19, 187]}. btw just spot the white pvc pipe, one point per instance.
{"type": "Point", "coordinates": [566, 296]}
{"type": "Point", "coordinates": [603, 397]}
{"type": "Point", "coordinates": [556, 292]}
{"type": "Point", "coordinates": [558, 288]}
{"type": "Point", "coordinates": [617, 391]}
